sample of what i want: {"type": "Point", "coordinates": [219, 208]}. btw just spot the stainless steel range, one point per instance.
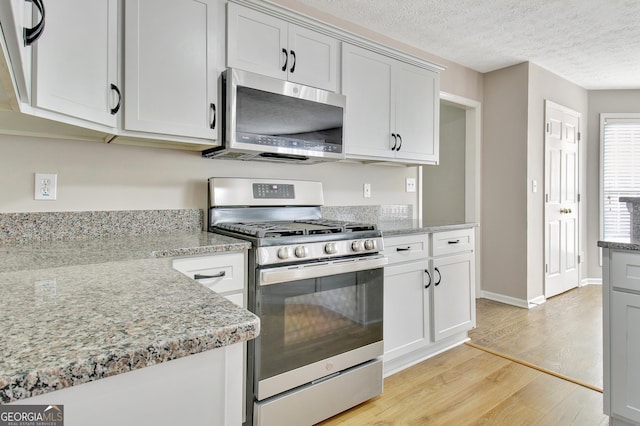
{"type": "Point", "coordinates": [317, 286]}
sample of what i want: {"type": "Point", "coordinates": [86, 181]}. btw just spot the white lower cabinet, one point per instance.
{"type": "Point", "coordinates": [429, 295]}
{"type": "Point", "coordinates": [621, 279]}
{"type": "Point", "coordinates": [454, 299]}
{"type": "Point", "coordinates": [406, 308]}
{"type": "Point", "coordinates": [198, 390]}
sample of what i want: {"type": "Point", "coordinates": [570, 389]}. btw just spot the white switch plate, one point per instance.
{"type": "Point", "coordinates": [366, 190]}
{"type": "Point", "coordinates": [46, 186]}
{"type": "Point", "coordinates": [411, 185]}
{"type": "Point", "coordinates": [534, 185]}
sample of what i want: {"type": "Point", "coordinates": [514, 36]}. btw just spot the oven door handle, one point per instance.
{"type": "Point", "coordinates": [322, 269]}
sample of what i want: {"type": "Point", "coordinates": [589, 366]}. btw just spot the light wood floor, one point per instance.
{"type": "Point", "coordinates": [563, 335]}
{"type": "Point", "coordinates": [469, 386]}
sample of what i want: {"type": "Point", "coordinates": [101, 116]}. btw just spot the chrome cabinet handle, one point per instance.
{"type": "Point", "coordinates": [203, 277]}
{"type": "Point", "coordinates": [429, 275]}
{"type": "Point", "coordinates": [286, 59]}
{"type": "Point", "coordinates": [293, 56]}
{"type": "Point", "coordinates": [116, 108]}
{"type": "Point", "coordinates": [439, 277]}
{"type": "Point", "coordinates": [33, 34]}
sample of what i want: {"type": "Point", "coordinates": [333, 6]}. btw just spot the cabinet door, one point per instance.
{"type": "Point", "coordinates": [15, 16]}
{"type": "Point", "coordinates": [75, 61]}
{"type": "Point", "coordinates": [366, 82]}
{"type": "Point", "coordinates": [406, 309]}
{"type": "Point", "coordinates": [313, 58]}
{"type": "Point", "coordinates": [257, 42]}
{"type": "Point", "coordinates": [453, 295]}
{"type": "Point", "coordinates": [172, 67]}
{"type": "Point", "coordinates": [417, 113]}
{"type": "Point", "coordinates": [625, 355]}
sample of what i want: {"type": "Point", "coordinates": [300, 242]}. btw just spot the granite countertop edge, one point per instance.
{"type": "Point", "coordinates": [390, 229]}
{"type": "Point", "coordinates": [620, 245]}
{"type": "Point", "coordinates": [219, 322]}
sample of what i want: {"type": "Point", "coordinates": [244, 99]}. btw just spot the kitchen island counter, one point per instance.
{"type": "Point", "coordinates": [78, 311]}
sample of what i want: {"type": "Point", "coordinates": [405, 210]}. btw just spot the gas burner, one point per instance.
{"type": "Point", "coordinates": [262, 229]}
{"type": "Point", "coordinates": [344, 226]}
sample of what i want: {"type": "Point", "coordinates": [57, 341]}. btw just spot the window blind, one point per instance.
{"type": "Point", "coordinates": [621, 174]}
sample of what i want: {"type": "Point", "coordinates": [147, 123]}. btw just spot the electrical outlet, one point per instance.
{"type": "Point", "coordinates": [366, 190]}
{"type": "Point", "coordinates": [46, 186]}
{"type": "Point", "coordinates": [411, 185]}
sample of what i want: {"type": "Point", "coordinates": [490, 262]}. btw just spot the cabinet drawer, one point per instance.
{"type": "Point", "coordinates": [450, 242]}
{"type": "Point", "coordinates": [227, 271]}
{"type": "Point", "coordinates": [625, 270]}
{"type": "Point", "coordinates": [406, 248]}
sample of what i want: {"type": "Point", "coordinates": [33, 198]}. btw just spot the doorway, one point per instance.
{"type": "Point", "coordinates": [450, 191]}
{"type": "Point", "coordinates": [561, 211]}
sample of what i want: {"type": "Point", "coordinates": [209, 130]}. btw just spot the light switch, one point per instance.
{"type": "Point", "coordinates": [534, 185]}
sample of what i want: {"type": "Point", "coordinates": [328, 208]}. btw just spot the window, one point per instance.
{"type": "Point", "coordinates": [620, 171]}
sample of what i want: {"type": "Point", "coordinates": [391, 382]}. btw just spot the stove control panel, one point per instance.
{"type": "Point", "coordinates": [271, 255]}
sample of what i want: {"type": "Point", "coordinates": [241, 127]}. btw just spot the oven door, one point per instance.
{"type": "Point", "coordinates": [316, 320]}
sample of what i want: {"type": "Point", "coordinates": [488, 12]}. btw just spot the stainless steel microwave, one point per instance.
{"type": "Point", "coordinates": [269, 119]}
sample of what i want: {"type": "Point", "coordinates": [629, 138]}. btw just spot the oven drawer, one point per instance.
{"type": "Point", "coordinates": [451, 242]}
{"type": "Point", "coordinates": [222, 273]}
{"type": "Point", "coordinates": [406, 248]}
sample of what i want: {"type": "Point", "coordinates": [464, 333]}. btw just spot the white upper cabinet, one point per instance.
{"type": "Point", "coordinates": [19, 34]}
{"type": "Point", "coordinates": [261, 43]}
{"type": "Point", "coordinates": [75, 60]}
{"type": "Point", "coordinates": [392, 108]}
{"type": "Point", "coordinates": [172, 62]}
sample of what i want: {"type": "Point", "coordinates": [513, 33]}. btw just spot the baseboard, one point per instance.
{"type": "Point", "coordinates": [521, 303]}
{"type": "Point", "coordinates": [591, 281]}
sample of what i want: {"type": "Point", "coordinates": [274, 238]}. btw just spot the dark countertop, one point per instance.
{"type": "Point", "coordinates": [622, 244]}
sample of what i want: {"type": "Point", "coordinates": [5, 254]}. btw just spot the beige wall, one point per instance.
{"type": "Point", "coordinates": [97, 176]}
{"type": "Point", "coordinates": [513, 156]}
{"type": "Point", "coordinates": [600, 101]}
{"type": "Point", "coordinates": [504, 167]}
{"type": "Point", "coordinates": [544, 85]}
{"type": "Point", "coordinates": [443, 189]}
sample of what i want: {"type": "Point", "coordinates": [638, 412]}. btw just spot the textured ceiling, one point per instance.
{"type": "Point", "coordinates": [593, 43]}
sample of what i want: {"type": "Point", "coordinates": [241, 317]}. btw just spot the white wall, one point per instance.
{"type": "Point", "coordinates": [600, 101]}
{"type": "Point", "coordinates": [97, 176]}
{"type": "Point", "coordinates": [443, 186]}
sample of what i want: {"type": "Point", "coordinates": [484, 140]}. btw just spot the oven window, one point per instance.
{"type": "Point", "coordinates": [310, 320]}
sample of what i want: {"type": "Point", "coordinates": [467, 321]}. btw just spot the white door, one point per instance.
{"type": "Point", "coordinates": [417, 113]}
{"type": "Point", "coordinates": [406, 308]}
{"type": "Point", "coordinates": [561, 199]}
{"type": "Point", "coordinates": [313, 58]}
{"type": "Point", "coordinates": [367, 84]}
{"type": "Point", "coordinates": [173, 57]}
{"type": "Point", "coordinates": [75, 61]}
{"type": "Point", "coordinates": [257, 42]}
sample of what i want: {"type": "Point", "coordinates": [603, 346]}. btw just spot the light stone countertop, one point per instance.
{"type": "Point", "coordinates": [79, 311]}
{"type": "Point", "coordinates": [409, 226]}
